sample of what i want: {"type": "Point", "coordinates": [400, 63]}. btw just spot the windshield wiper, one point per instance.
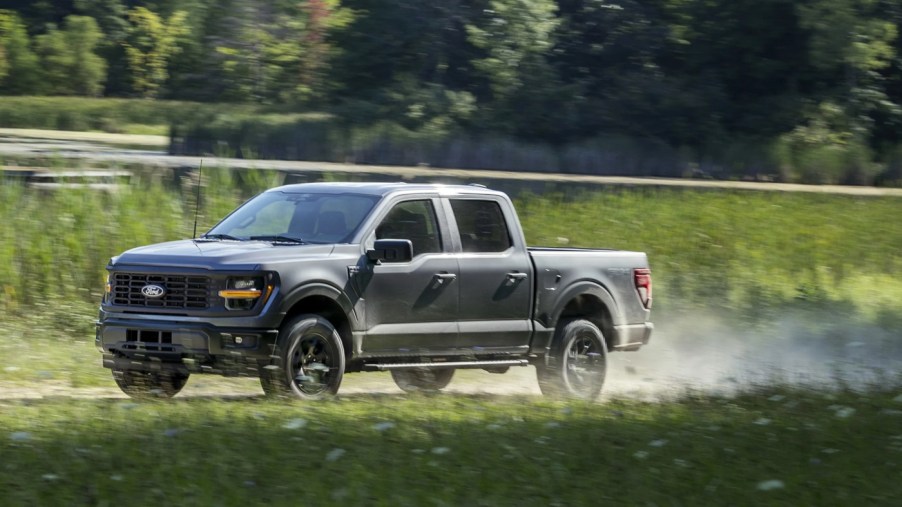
{"type": "Point", "coordinates": [213, 237]}
{"type": "Point", "coordinates": [278, 239]}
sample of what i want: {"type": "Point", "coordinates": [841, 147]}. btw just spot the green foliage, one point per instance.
{"type": "Point", "coordinates": [150, 44]}
{"type": "Point", "coordinates": [71, 66]}
{"type": "Point", "coordinates": [22, 70]}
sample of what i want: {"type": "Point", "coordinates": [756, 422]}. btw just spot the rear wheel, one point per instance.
{"type": "Point", "coordinates": [310, 360]}
{"type": "Point", "coordinates": [422, 379]}
{"type": "Point", "coordinates": [143, 385]}
{"type": "Point", "coordinates": [577, 363]}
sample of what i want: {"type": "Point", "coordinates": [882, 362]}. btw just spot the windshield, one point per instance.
{"type": "Point", "coordinates": [296, 218]}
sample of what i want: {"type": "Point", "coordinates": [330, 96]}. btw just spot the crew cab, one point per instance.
{"type": "Point", "coordinates": [304, 283]}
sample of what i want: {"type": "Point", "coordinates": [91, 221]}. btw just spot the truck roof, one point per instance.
{"type": "Point", "coordinates": [383, 189]}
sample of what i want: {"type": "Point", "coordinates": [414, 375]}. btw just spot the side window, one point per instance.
{"type": "Point", "coordinates": [481, 225]}
{"type": "Point", "coordinates": [413, 220]}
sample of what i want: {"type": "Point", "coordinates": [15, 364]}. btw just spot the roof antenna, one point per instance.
{"type": "Point", "coordinates": [200, 173]}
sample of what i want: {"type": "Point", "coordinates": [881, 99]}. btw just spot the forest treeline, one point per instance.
{"type": "Point", "coordinates": [805, 90]}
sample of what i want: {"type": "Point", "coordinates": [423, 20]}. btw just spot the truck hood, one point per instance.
{"type": "Point", "coordinates": [236, 255]}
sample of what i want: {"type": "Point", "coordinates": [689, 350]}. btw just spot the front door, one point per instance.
{"type": "Point", "coordinates": [412, 306]}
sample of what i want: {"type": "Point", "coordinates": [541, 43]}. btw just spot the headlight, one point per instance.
{"type": "Point", "coordinates": [242, 293]}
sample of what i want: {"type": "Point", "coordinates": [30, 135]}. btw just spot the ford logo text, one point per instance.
{"type": "Point", "coordinates": [153, 291]}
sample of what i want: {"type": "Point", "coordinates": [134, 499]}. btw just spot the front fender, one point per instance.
{"type": "Point", "coordinates": [321, 289]}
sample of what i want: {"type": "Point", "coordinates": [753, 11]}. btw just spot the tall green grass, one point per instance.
{"type": "Point", "coordinates": [107, 115]}
{"type": "Point", "coordinates": [755, 253]}
{"type": "Point", "coordinates": [54, 245]}
{"type": "Point", "coordinates": [751, 253]}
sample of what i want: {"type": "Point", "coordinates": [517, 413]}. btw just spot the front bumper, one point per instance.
{"type": "Point", "coordinates": [185, 347]}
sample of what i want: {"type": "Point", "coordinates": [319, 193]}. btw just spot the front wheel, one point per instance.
{"type": "Point", "coordinates": [422, 379]}
{"type": "Point", "coordinates": [309, 360]}
{"type": "Point", "coordinates": [143, 385]}
{"type": "Point", "coordinates": [577, 363]}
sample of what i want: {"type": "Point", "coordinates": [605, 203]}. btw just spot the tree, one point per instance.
{"type": "Point", "coordinates": [70, 65]}
{"type": "Point", "coordinates": [852, 58]}
{"type": "Point", "coordinates": [516, 38]}
{"type": "Point", "coordinates": [408, 61]}
{"type": "Point", "coordinates": [22, 71]}
{"type": "Point", "coordinates": [150, 44]}
{"type": "Point", "coordinates": [275, 52]}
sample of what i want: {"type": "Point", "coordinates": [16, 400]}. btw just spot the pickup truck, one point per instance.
{"type": "Point", "coordinates": [304, 283]}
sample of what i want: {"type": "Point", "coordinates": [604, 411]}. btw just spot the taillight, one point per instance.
{"type": "Point", "coordinates": [642, 277]}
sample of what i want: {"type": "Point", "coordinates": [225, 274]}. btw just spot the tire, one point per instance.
{"type": "Point", "coordinates": [146, 385]}
{"type": "Point", "coordinates": [577, 362]}
{"type": "Point", "coordinates": [309, 360]}
{"type": "Point", "coordinates": [430, 380]}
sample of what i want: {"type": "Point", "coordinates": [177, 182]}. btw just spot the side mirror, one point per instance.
{"type": "Point", "coordinates": [391, 250]}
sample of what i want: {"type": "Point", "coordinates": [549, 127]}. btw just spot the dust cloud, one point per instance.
{"type": "Point", "coordinates": [710, 355]}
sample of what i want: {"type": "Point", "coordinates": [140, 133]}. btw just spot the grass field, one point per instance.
{"type": "Point", "coordinates": [768, 447]}
{"type": "Point", "coordinates": [829, 264]}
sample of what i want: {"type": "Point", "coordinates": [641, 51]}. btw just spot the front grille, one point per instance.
{"type": "Point", "coordinates": [181, 291]}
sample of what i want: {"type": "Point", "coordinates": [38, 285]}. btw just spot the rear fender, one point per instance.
{"type": "Point", "coordinates": [551, 319]}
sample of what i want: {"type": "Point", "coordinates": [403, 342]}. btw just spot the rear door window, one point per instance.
{"type": "Point", "coordinates": [481, 226]}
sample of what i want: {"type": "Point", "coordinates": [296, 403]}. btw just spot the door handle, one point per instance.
{"type": "Point", "coordinates": [441, 278]}
{"type": "Point", "coordinates": [516, 276]}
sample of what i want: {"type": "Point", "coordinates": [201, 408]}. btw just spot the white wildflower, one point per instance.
{"type": "Point", "coordinates": [777, 397]}
{"type": "Point", "coordinates": [20, 436]}
{"type": "Point", "coordinates": [764, 421]}
{"type": "Point", "coordinates": [334, 454]}
{"type": "Point", "coordinates": [661, 442]}
{"type": "Point", "coordinates": [640, 454]}
{"type": "Point", "coordinates": [440, 450]}
{"type": "Point", "coordinates": [383, 426]}
{"type": "Point", "coordinates": [295, 424]}
{"type": "Point", "coordinates": [116, 477]}
{"type": "Point", "coordinates": [50, 477]}
{"type": "Point", "coordinates": [844, 412]}
{"type": "Point", "coordinates": [770, 485]}
{"type": "Point", "coordinates": [11, 368]}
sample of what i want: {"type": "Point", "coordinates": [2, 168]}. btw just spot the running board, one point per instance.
{"type": "Point", "coordinates": [448, 364]}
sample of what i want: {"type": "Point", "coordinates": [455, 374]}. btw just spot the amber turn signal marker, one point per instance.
{"type": "Point", "coordinates": [240, 293]}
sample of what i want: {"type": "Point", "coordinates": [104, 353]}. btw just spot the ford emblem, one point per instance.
{"type": "Point", "coordinates": [153, 291]}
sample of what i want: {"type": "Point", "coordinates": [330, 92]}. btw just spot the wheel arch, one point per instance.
{"type": "Point", "coordinates": [327, 302]}
{"type": "Point", "coordinates": [592, 302]}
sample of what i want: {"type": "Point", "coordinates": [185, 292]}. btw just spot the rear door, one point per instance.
{"type": "Point", "coordinates": [413, 306]}
{"type": "Point", "coordinates": [495, 270]}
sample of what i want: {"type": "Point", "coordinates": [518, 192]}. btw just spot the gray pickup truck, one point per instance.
{"type": "Point", "coordinates": [304, 283]}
